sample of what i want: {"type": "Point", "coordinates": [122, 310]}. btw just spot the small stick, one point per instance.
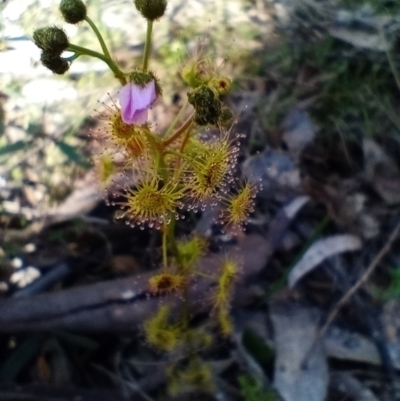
{"type": "Point", "coordinates": [385, 249]}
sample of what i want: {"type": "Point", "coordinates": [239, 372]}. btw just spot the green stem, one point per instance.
{"type": "Point", "coordinates": [147, 46]}
{"type": "Point", "coordinates": [178, 169]}
{"type": "Point", "coordinates": [169, 242]}
{"type": "Point", "coordinates": [83, 51]}
{"type": "Point", "coordinates": [178, 163]}
{"type": "Point", "coordinates": [71, 58]}
{"type": "Point", "coordinates": [99, 37]}
{"type": "Point", "coordinates": [164, 246]}
{"type": "Point", "coordinates": [178, 154]}
{"type": "Point", "coordinates": [155, 142]}
{"type": "Point", "coordinates": [171, 237]}
{"type": "Point", "coordinates": [162, 167]}
{"type": "Point", "coordinates": [185, 126]}
{"type": "Point", "coordinates": [176, 119]}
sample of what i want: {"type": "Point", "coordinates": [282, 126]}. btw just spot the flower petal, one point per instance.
{"type": "Point", "coordinates": [135, 102]}
{"type": "Point", "coordinates": [140, 117]}
{"type": "Point", "coordinates": [145, 97]}
{"type": "Point", "coordinates": [125, 100]}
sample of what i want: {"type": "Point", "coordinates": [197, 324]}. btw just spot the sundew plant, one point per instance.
{"type": "Point", "coordinates": [180, 170]}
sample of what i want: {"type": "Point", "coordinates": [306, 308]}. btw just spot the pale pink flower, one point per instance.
{"type": "Point", "coordinates": [135, 102]}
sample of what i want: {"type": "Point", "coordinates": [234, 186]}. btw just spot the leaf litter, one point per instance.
{"type": "Point", "coordinates": [324, 143]}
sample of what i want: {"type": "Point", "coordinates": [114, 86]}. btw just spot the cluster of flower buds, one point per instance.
{"type": "Point", "coordinates": [53, 41]}
{"type": "Point", "coordinates": [207, 105]}
{"type": "Point", "coordinates": [207, 88]}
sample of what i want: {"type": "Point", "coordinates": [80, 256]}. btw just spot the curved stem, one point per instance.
{"type": "Point", "coordinates": [80, 51]}
{"type": "Point", "coordinates": [185, 140]}
{"type": "Point", "coordinates": [71, 58]}
{"type": "Point", "coordinates": [147, 46]}
{"type": "Point", "coordinates": [99, 37]}
{"type": "Point", "coordinates": [179, 155]}
{"type": "Point", "coordinates": [185, 126]}
{"type": "Point", "coordinates": [154, 141]}
{"type": "Point", "coordinates": [176, 119]}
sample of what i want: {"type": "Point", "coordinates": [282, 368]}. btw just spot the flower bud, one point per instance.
{"type": "Point", "coordinates": [208, 107]}
{"type": "Point", "coordinates": [73, 11]}
{"type": "Point", "coordinates": [52, 40]}
{"type": "Point", "coordinates": [209, 115]}
{"type": "Point", "coordinates": [221, 85]}
{"type": "Point", "coordinates": [151, 9]}
{"type": "Point", "coordinates": [195, 73]}
{"type": "Point", "coordinates": [54, 63]}
{"type": "Point", "coordinates": [201, 97]}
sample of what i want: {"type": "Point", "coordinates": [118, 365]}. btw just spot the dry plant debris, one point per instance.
{"type": "Point", "coordinates": [318, 104]}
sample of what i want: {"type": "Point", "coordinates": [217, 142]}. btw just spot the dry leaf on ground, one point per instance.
{"type": "Point", "coordinates": [295, 328]}
{"type": "Point", "coordinates": [321, 250]}
{"type": "Point", "coordinates": [352, 387]}
{"type": "Point", "coordinates": [350, 346]}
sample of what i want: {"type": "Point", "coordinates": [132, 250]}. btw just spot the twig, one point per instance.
{"type": "Point", "coordinates": [123, 304]}
{"type": "Point", "coordinates": [372, 322]}
{"type": "Point", "coordinates": [56, 273]}
{"type": "Point", "coordinates": [385, 249]}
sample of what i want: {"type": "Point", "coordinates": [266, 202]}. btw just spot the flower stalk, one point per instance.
{"type": "Point", "coordinates": [186, 126]}
{"type": "Point", "coordinates": [83, 51]}
{"type": "Point", "coordinates": [99, 37]}
{"type": "Point", "coordinates": [147, 46]}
